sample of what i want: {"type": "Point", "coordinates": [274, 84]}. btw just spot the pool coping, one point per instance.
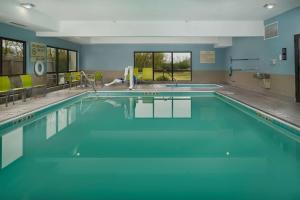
{"type": "Point", "coordinates": [186, 84]}
{"type": "Point", "coordinates": [295, 126]}
{"type": "Point", "coordinates": [2, 123]}
{"type": "Point", "coordinates": [288, 129]}
{"type": "Point", "coordinates": [277, 121]}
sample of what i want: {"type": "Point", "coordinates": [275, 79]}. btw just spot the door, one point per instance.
{"type": "Point", "coordinates": [297, 66]}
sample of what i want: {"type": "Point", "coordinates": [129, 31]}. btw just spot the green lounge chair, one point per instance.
{"type": "Point", "coordinates": [27, 83]}
{"type": "Point", "coordinates": [71, 79]}
{"type": "Point", "coordinates": [136, 73]}
{"type": "Point", "coordinates": [98, 76]}
{"type": "Point", "coordinates": [4, 89]}
{"type": "Point", "coordinates": [76, 76]}
{"type": "Point", "coordinates": [147, 74]}
{"type": "Point", "coordinates": [7, 90]}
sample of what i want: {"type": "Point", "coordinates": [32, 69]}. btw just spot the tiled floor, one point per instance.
{"type": "Point", "coordinates": [278, 106]}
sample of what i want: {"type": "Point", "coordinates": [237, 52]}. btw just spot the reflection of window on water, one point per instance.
{"type": "Point", "coordinates": [51, 125]}
{"type": "Point", "coordinates": [62, 119]}
{"type": "Point", "coordinates": [59, 120]}
{"type": "Point", "coordinates": [144, 108]}
{"type": "Point", "coordinates": [164, 107]}
{"type": "Point", "coordinates": [71, 115]}
{"type": "Point", "coordinates": [12, 146]}
{"type": "Point", "coordinates": [182, 108]}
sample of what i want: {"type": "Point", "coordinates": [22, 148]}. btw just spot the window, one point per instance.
{"type": "Point", "coordinates": [144, 62]}
{"type": "Point", "coordinates": [60, 61]}
{"type": "Point", "coordinates": [13, 60]}
{"type": "Point", "coordinates": [162, 66]}
{"type": "Point", "coordinates": [63, 60]}
{"type": "Point", "coordinates": [182, 66]}
{"type": "Point", "coordinates": [72, 60]}
{"type": "Point", "coordinates": [165, 66]}
{"type": "Point", "coordinates": [51, 59]}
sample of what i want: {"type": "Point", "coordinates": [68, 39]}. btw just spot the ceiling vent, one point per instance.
{"type": "Point", "coordinates": [271, 30]}
{"type": "Point", "coordinates": [17, 24]}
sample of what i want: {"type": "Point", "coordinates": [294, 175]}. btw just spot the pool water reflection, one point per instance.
{"type": "Point", "coordinates": [159, 147]}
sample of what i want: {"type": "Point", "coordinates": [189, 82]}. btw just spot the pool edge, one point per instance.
{"type": "Point", "coordinates": [9, 120]}
{"type": "Point", "coordinates": [294, 130]}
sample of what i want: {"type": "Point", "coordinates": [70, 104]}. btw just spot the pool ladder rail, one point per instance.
{"type": "Point", "coordinates": [176, 82]}
{"type": "Point", "coordinates": [91, 82]}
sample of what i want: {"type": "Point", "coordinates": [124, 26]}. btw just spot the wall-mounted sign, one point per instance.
{"type": "Point", "coordinates": [208, 57]}
{"type": "Point", "coordinates": [38, 52]}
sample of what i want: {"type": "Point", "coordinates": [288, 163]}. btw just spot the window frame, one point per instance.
{"type": "Point", "coordinates": [172, 61]}
{"type": "Point", "coordinates": [69, 60]}
{"type": "Point", "coordinates": [191, 59]}
{"type": "Point", "coordinates": [56, 62]}
{"type": "Point", "coordinates": [24, 56]}
{"type": "Point", "coordinates": [56, 59]}
{"type": "Point", "coordinates": [153, 57]}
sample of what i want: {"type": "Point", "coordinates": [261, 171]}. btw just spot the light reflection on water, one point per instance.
{"type": "Point", "coordinates": [144, 147]}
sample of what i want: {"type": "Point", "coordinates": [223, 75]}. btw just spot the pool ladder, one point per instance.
{"type": "Point", "coordinates": [176, 82]}
{"type": "Point", "coordinates": [174, 79]}
{"type": "Point", "coordinates": [92, 83]}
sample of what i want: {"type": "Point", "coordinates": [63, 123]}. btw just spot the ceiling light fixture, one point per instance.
{"type": "Point", "coordinates": [269, 6]}
{"type": "Point", "coordinates": [27, 5]}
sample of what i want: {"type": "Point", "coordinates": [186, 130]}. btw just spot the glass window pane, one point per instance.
{"type": "Point", "coordinates": [72, 60]}
{"type": "Point", "coordinates": [51, 59]}
{"type": "Point", "coordinates": [62, 60]}
{"type": "Point", "coordinates": [182, 66]}
{"type": "Point", "coordinates": [144, 62]}
{"type": "Point", "coordinates": [12, 57]}
{"type": "Point", "coordinates": [163, 66]}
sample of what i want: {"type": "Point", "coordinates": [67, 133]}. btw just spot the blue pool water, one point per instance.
{"type": "Point", "coordinates": [166, 146]}
{"type": "Point", "coordinates": [202, 86]}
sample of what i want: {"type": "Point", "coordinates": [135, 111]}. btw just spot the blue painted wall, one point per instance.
{"type": "Point", "coordinates": [12, 32]}
{"type": "Point", "coordinates": [289, 25]}
{"type": "Point", "coordinates": [269, 49]}
{"type": "Point", "coordinates": [118, 56]}
{"type": "Point", "coordinates": [249, 47]}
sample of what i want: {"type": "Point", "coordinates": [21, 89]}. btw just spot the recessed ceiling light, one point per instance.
{"type": "Point", "coordinates": [269, 6]}
{"type": "Point", "coordinates": [27, 5]}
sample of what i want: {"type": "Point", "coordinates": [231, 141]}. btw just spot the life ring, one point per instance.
{"type": "Point", "coordinates": [39, 68]}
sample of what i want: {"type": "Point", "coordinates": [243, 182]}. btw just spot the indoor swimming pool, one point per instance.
{"type": "Point", "coordinates": [149, 145]}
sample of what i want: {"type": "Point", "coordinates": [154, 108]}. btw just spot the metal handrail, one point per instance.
{"type": "Point", "coordinates": [174, 79]}
{"type": "Point", "coordinates": [87, 78]}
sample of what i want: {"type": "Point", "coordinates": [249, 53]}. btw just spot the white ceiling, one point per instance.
{"type": "Point", "coordinates": [161, 9]}
{"type": "Point", "coordinates": [144, 21]}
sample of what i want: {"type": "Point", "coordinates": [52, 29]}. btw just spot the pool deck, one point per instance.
{"type": "Point", "coordinates": [279, 106]}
